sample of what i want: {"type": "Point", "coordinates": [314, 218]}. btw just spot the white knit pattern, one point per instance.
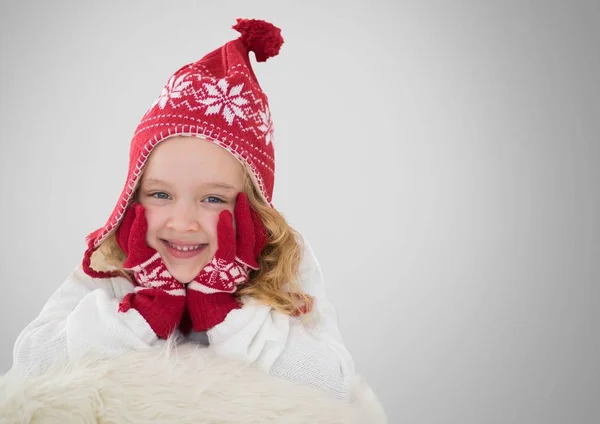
{"type": "Point", "coordinates": [311, 354]}
{"type": "Point", "coordinates": [267, 124]}
{"type": "Point", "coordinates": [82, 317]}
{"type": "Point", "coordinates": [172, 90]}
{"type": "Point", "coordinates": [220, 97]}
{"type": "Point", "coordinates": [154, 274]}
{"type": "Point", "coordinates": [219, 276]}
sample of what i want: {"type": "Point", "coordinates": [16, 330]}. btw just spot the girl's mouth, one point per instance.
{"type": "Point", "coordinates": [184, 251]}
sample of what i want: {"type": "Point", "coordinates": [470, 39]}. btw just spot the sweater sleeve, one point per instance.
{"type": "Point", "coordinates": [307, 349]}
{"type": "Point", "coordinates": [81, 317]}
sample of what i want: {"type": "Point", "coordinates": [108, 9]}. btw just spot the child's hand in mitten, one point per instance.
{"type": "Point", "coordinates": [210, 295]}
{"type": "Point", "coordinates": [158, 297]}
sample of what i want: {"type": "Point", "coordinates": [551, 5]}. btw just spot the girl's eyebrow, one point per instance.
{"type": "Point", "coordinates": [223, 186]}
{"type": "Point", "coordinates": [155, 181]}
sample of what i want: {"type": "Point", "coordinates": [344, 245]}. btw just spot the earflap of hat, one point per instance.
{"type": "Point", "coordinates": [95, 239]}
{"type": "Point", "coordinates": [86, 265]}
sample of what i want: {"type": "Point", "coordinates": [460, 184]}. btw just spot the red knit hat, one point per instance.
{"type": "Point", "coordinates": [217, 98]}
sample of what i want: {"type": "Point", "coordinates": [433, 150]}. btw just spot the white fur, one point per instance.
{"type": "Point", "coordinates": [176, 384]}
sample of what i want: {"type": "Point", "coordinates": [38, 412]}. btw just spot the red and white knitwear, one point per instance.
{"type": "Point", "coordinates": [217, 98]}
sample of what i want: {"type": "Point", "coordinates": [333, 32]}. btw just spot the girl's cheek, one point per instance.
{"type": "Point", "coordinates": [157, 219]}
{"type": "Point", "coordinates": [209, 224]}
{"type": "Point", "coordinates": [152, 219]}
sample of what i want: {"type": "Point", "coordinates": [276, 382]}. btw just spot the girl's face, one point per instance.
{"type": "Point", "coordinates": [186, 184]}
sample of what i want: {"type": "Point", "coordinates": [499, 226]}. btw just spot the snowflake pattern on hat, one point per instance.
{"type": "Point", "coordinates": [230, 101]}
{"type": "Point", "coordinates": [267, 125]}
{"type": "Point", "coordinates": [216, 96]}
{"type": "Point", "coordinates": [173, 90]}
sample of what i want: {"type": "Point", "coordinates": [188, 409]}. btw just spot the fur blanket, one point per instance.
{"type": "Point", "coordinates": [183, 384]}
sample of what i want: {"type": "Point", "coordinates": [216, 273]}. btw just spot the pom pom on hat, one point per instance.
{"type": "Point", "coordinates": [261, 37]}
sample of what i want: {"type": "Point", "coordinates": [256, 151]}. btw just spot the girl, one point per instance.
{"type": "Point", "coordinates": [194, 250]}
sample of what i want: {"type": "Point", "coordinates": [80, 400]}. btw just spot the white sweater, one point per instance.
{"type": "Point", "coordinates": [82, 317]}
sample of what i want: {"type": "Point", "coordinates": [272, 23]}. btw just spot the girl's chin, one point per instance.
{"type": "Point", "coordinates": [184, 273]}
{"type": "Point", "coordinates": [184, 270]}
{"type": "Point", "coordinates": [184, 278]}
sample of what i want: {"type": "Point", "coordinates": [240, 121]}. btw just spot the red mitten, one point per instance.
{"type": "Point", "coordinates": [158, 297]}
{"type": "Point", "coordinates": [210, 295]}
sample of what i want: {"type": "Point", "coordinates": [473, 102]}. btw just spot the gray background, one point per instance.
{"type": "Point", "coordinates": [441, 157]}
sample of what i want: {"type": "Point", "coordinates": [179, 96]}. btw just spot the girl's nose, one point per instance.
{"type": "Point", "coordinates": [184, 218]}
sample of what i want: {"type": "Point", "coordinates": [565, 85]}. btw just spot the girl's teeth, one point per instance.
{"type": "Point", "coordinates": [185, 248]}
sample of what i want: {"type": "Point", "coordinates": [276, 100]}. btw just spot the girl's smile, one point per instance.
{"type": "Point", "coordinates": [184, 251]}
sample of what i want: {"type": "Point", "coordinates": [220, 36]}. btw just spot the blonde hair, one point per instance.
{"type": "Point", "coordinates": [274, 283]}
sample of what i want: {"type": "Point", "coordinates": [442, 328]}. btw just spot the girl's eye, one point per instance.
{"type": "Point", "coordinates": [160, 195]}
{"type": "Point", "coordinates": [213, 199]}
